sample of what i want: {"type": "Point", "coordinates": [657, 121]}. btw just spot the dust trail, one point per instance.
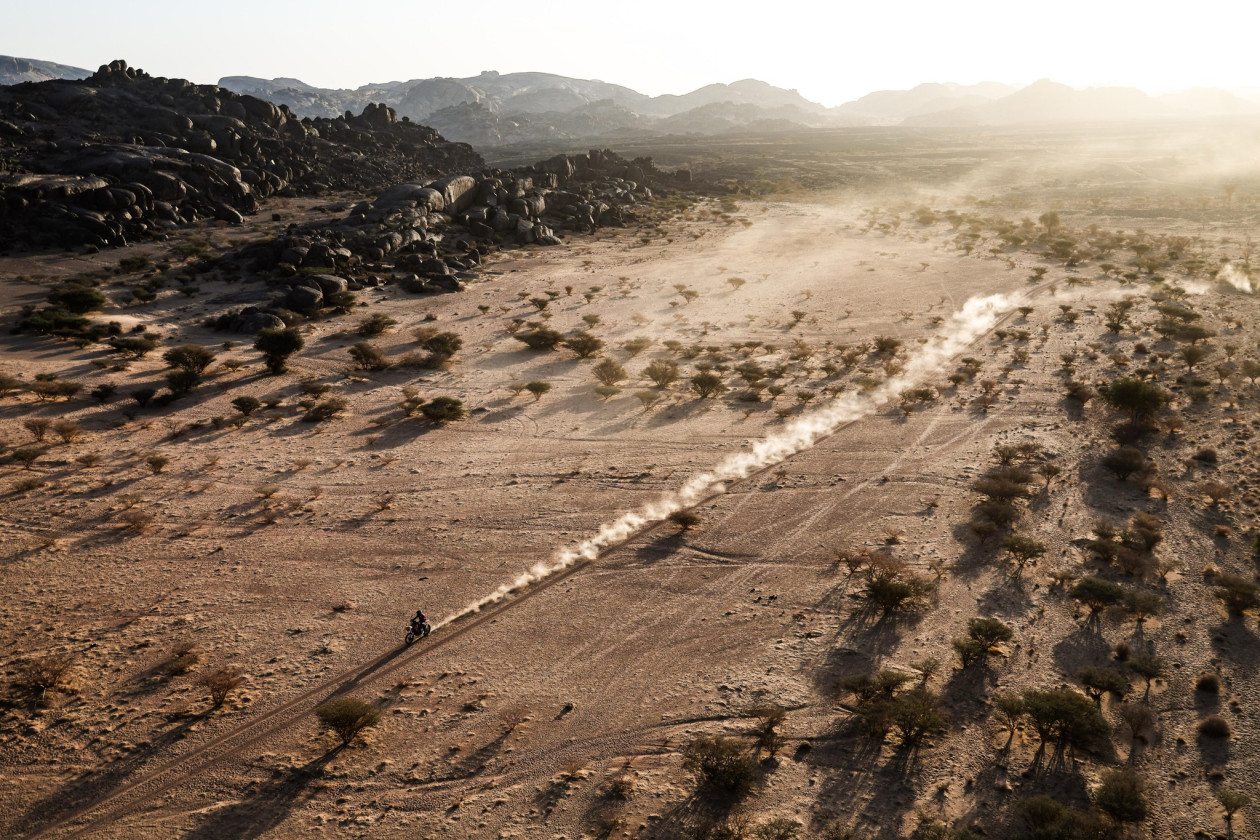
{"type": "Point", "coordinates": [977, 316]}
{"type": "Point", "coordinates": [1236, 277]}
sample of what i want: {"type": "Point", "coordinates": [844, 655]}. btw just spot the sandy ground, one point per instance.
{"type": "Point", "coordinates": [514, 726]}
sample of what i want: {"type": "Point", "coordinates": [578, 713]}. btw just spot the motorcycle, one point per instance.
{"type": "Point", "coordinates": [414, 632]}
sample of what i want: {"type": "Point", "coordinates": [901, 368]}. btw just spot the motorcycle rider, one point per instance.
{"type": "Point", "coordinates": [418, 622]}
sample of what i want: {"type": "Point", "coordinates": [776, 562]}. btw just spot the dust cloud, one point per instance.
{"type": "Point", "coordinates": [977, 316]}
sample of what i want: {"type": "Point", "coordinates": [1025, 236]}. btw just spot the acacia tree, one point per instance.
{"type": "Point", "coordinates": [1136, 397]}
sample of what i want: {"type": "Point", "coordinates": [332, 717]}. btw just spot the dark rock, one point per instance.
{"type": "Point", "coordinates": [304, 299]}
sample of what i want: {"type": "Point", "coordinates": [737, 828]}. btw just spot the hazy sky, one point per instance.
{"type": "Point", "coordinates": [830, 51]}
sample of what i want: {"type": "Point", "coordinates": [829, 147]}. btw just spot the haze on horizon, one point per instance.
{"type": "Point", "coordinates": [831, 54]}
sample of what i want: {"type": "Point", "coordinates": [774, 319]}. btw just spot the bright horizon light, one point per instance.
{"type": "Point", "coordinates": [831, 54]}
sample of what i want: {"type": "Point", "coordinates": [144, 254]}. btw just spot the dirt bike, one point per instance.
{"type": "Point", "coordinates": [413, 632]}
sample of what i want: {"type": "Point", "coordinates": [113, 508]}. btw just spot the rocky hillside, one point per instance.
{"type": "Point", "coordinates": [122, 154]}
{"type": "Point", "coordinates": [14, 71]}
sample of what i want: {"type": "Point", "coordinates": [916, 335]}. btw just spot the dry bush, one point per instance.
{"type": "Point", "coordinates": [69, 431]}
{"type": "Point", "coordinates": [38, 427]}
{"type": "Point", "coordinates": [88, 460]}
{"type": "Point", "coordinates": [156, 463]}
{"type": "Point", "coordinates": [136, 519]}
{"type": "Point", "coordinates": [44, 673]}
{"type": "Point", "coordinates": [219, 683]}
{"type": "Point", "coordinates": [182, 659]}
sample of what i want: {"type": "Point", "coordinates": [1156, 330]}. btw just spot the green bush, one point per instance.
{"type": "Point", "coordinates": [348, 717]}
{"type": "Point", "coordinates": [541, 338]}
{"type": "Point", "coordinates": [443, 410]}
{"type": "Point", "coordinates": [368, 356]}
{"type": "Point", "coordinates": [76, 298]}
{"type": "Point", "coordinates": [277, 345]}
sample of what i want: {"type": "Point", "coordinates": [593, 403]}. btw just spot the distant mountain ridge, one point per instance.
{"type": "Point", "coordinates": [500, 109]}
{"type": "Point", "coordinates": [14, 71]}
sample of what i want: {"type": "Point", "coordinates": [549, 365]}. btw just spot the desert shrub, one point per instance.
{"type": "Point", "coordinates": [156, 463]}
{"type": "Point", "coordinates": [1239, 594]}
{"type": "Point", "coordinates": [44, 673]}
{"type": "Point", "coordinates": [347, 717]}
{"type": "Point", "coordinates": [246, 405]}
{"type": "Point", "coordinates": [537, 389]}
{"type": "Point", "coordinates": [1045, 818]}
{"type": "Point", "coordinates": [277, 346]}
{"type": "Point", "coordinates": [443, 410]}
{"type": "Point", "coordinates": [620, 788]}
{"type": "Point", "coordinates": [1136, 397]}
{"type": "Point", "coordinates": [49, 388]}
{"type": "Point", "coordinates": [1124, 462]}
{"type": "Point", "coordinates": [885, 345]}
{"type": "Point", "coordinates": [1214, 726]}
{"type": "Point", "coordinates": [1122, 795]}
{"type": "Point", "coordinates": [609, 372]}
{"type": "Point", "coordinates": [88, 460]}
{"type": "Point", "coordinates": [375, 325]}
{"type": "Point", "coordinates": [368, 356]}
{"type": "Point", "coordinates": [189, 357]}
{"type": "Point", "coordinates": [1216, 491]}
{"type": "Point", "coordinates": [38, 427]}
{"type": "Point", "coordinates": [219, 683]}
{"type": "Point", "coordinates": [132, 346]}
{"type": "Point", "coordinates": [1142, 604]}
{"type": "Point", "coordinates": [1022, 549]}
{"type": "Point", "coordinates": [637, 345]}
{"type": "Point", "coordinates": [28, 455]}
{"type": "Point", "coordinates": [1208, 683]}
{"type": "Point", "coordinates": [1138, 717]}
{"type": "Point", "coordinates": [663, 372]}
{"type": "Point", "coordinates": [1232, 801]}
{"type": "Point", "coordinates": [76, 298]}
{"type": "Point", "coordinates": [1100, 681]}
{"type": "Point", "coordinates": [1096, 593]}
{"type": "Point", "coordinates": [1149, 667]}
{"type": "Point", "coordinates": [892, 588]}
{"type": "Point", "coordinates": [541, 338]}
{"type": "Point", "coordinates": [583, 344]}
{"type": "Point", "coordinates": [707, 384]}
{"type": "Point", "coordinates": [324, 410]}
{"type": "Point", "coordinates": [766, 732]}
{"type": "Point", "coordinates": [103, 393]}
{"type": "Point", "coordinates": [143, 396]}
{"type": "Point", "coordinates": [916, 715]}
{"type": "Point", "coordinates": [1063, 717]}
{"type": "Point", "coordinates": [1144, 533]}
{"type": "Point", "coordinates": [722, 765]}
{"type": "Point", "coordinates": [685, 519]}
{"type": "Point", "coordinates": [440, 346]}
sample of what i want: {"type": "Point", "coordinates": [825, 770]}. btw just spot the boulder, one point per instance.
{"type": "Point", "coordinates": [304, 299]}
{"type": "Point", "coordinates": [457, 192]}
{"type": "Point", "coordinates": [330, 284]}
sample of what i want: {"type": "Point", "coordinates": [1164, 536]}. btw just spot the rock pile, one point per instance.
{"type": "Point", "coordinates": [431, 236]}
{"type": "Point", "coordinates": [122, 155]}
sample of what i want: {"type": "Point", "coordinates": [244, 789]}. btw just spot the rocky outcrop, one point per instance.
{"type": "Point", "coordinates": [122, 155]}
{"type": "Point", "coordinates": [431, 236]}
